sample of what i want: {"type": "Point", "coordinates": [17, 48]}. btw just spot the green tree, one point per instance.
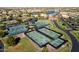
{"type": "Point", "coordinates": [1, 33]}
{"type": "Point", "coordinates": [45, 49]}
{"type": "Point", "coordinates": [19, 20]}
{"type": "Point", "coordinates": [12, 41]}
{"type": "Point", "coordinates": [63, 24]}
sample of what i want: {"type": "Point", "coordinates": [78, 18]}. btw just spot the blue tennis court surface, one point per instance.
{"type": "Point", "coordinates": [45, 36]}
{"type": "Point", "coordinates": [16, 29]}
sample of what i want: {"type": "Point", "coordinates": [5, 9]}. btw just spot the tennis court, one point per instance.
{"type": "Point", "coordinates": [49, 32]}
{"type": "Point", "coordinates": [49, 37]}
{"type": "Point", "coordinates": [40, 39]}
{"type": "Point", "coordinates": [16, 29]}
{"type": "Point", "coordinates": [42, 23]}
{"type": "Point", "coordinates": [57, 42]}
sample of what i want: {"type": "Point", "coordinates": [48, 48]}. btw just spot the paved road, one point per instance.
{"type": "Point", "coordinates": [71, 26]}
{"type": "Point", "coordinates": [1, 46]}
{"type": "Point", "coordinates": [75, 43]}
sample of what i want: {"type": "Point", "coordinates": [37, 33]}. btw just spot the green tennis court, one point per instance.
{"type": "Point", "coordinates": [42, 23]}
{"type": "Point", "coordinates": [49, 32]}
{"type": "Point", "coordinates": [57, 42]}
{"type": "Point", "coordinates": [38, 38]}
{"type": "Point", "coordinates": [41, 39]}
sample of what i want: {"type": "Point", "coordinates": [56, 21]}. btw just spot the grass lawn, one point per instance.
{"type": "Point", "coordinates": [27, 45]}
{"type": "Point", "coordinates": [76, 34]}
{"type": "Point", "coordinates": [64, 49]}
{"type": "Point", "coordinates": [23, 45]}
{"type": "Point", "coordinates": [63, 25]}
{"type": "Point", "coordinates": [66, 37]}
{"type": "Point", "coordinates": [77, 28]}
